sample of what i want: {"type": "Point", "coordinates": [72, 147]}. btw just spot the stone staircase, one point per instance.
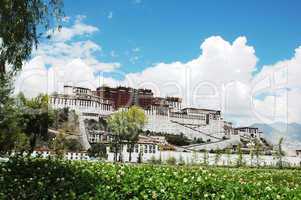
{"type": "Point", "coordinates": [83, 134]}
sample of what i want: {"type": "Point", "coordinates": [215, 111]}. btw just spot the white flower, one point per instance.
{"type": "Point", "coordinates": [268, 188]}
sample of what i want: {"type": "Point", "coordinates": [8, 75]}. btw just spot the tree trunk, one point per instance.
{"type": "Point", "coordinates": [130, 153]}
{"type": "Point", "coordinates": [120, 153]}
{"type": "Point", "coordinates": [32, 143]}
{"type": "Point", "coordinates": [2, 68]}
{"type": "Point", "coordinates": [115, 152]}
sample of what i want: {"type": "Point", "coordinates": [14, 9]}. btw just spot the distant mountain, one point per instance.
{"type": "Point", "coordinates": [290, 132]}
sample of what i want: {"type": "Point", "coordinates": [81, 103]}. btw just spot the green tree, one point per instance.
{"type": "Point", "coordinates": [58, 144]}
{"type": "Point", "coordinates": [194, 157]}
{"type": "Point", "coordinates": [73, 145]}
{"type": "Point", "coordinates": [37, 117]}
{"type": "Point", "coordinates": [21, 143]}
{"type": "Point", "coordinates": [239, 161]}
{"type": "Point", "coordinates": [118, 126]}
{"type": "Point", "coordinates": [136, 121]}
{"type": "Point", "coordinates": [125, 127]}
{"type": "Point", "coordinates": [257, 151]}
{"type": "Point", "coordinates": [228, 153]}
{"type": "Point", "coordinates": [23, 23]}
{"type": "Point", "coordinates": [11, 136]}
{"type": "Point", "coordinates": [251, 154]}
{"type": "Point", "coordinates": [178, 140]}
{"type": "Point", "coordinates": [205, 157]}
{"type": "Point", "coordinates": [181, 160]}
{"type": "Point", "coordinates": [218, 154]}
{"type": "Point", "coordinates": [171, 160]}
{"type": "Point", "coordinates": [98, 151]}
{"type": "Point", "coordinates": [280, 153]}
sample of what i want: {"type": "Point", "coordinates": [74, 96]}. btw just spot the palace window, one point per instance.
{"type": "Point", "coordinates": [136, 148]}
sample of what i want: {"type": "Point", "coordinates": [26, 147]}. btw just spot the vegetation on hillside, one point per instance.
{"type": "Point", "coordinates": [25, 123]}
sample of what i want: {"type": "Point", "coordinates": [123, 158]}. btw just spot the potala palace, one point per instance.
{"type": "Point", "coordinates": [165, 116]}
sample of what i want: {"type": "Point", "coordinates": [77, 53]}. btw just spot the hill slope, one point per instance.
{"type": "Point", "coordinates": [290, 132]}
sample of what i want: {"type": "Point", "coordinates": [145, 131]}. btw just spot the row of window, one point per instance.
{"type": "Point", "coordinates": [146, 148]}
{"type": "Point", "coordinates": [82, 90]}
{"type": "Point", "coordinates": [188, 116]}
{"type": "Point", "coordinates": [77, 102]}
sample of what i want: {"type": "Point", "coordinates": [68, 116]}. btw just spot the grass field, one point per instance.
{"type": "Point", "coordinates": [56, 179]}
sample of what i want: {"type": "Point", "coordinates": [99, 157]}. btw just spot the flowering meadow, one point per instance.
{"type": "Point", "coordinates": [27, 178]}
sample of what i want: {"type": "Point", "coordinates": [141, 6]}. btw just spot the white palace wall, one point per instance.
{"type": "Point", "coordinates": [190, 126]}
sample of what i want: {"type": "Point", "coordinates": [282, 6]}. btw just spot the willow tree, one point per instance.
{"type": "Point", "coordinates": [137, 120]}
{"type": "Point", "coordinates": [118, 126]}
{"type": "Point", "coordinates": [125, 127]}
{"type": "Point", "coordinates": [23, 23]}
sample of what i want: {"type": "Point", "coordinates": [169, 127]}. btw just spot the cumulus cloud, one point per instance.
{"type": "Point", "coordinates": [202, 81]}
{"type": "Point", "coordinates": [280, 87]}
{"type": "Point", "coordinates": [37, 78]}
{"type": "Point", "coordinates": [64, 59]}
{"type": "Point", "coordinates": [221, 77]}
{"type": "Point", "coordinates": [63, 48]}
{"type": "Point", "coordinates": [77, 29]}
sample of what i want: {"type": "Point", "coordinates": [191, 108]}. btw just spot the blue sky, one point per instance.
{"type": "Point", "coordinates": [167, 31]}
{"type": "Point", "coordinates": [213, 54]}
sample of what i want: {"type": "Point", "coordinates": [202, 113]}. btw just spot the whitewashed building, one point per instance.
{"type": "Point", "coordinates": [164, 115]}
{"type": "Point", "coordinates": [248, 132]}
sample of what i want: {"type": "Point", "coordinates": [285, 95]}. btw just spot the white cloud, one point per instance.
{"type": "Point", "coordinates": [137, 1]}
{"type": "Point", "coordinates": [214, 68]}
{"type": "Point", "coordinates": [61, 53]}
{"type": "Point", "coordinates": [281, 88]}
{"type": "Point", "coordinates": [134, 59]}
{"type": "Point", "coordinates": [64, 60]}
{"type": "Point", "coordinates": [66, 19]}
{"type": "Point", "coordinates": [137, 49]}
{"type": "Point", "coordinates": [110, 15]}
{"type": "Point", "coordinates": [113, 54]}
{"type": "Point", "coordinates": [36, 78]}
{"type": "Point", "coordinates": [77, 29]}
{"type": "Point", "coordinates": [63, 48]}
{"type": "Point", "coordinates": [219, 78]}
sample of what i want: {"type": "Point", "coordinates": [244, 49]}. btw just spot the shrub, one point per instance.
{"type": "Point", "coordinates": [98, 151]}
{"type": "Point", "coordinates": [153, 160]}
{"type": "Point", "coordinates": [178, 140]}
{"type": "Point", "coordinates": [181, 160]}
{"type": "Point", "coordinates": [171, 161]}
{"type": "Point", "coordinates": [60, 179]}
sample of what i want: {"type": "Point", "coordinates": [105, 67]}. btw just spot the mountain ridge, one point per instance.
{"type": "Point", "coordinates": [291, 132]}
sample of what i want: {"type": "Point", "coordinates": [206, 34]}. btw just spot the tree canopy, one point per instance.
{"type": "Point", "coordinates": [125, 127]}
{"type": "Point", "coordinates": [23, 23]}
{"type": "Point", "coordinates": [11, 132]}
{"type": "Point", "coordinates": [36, 116]}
